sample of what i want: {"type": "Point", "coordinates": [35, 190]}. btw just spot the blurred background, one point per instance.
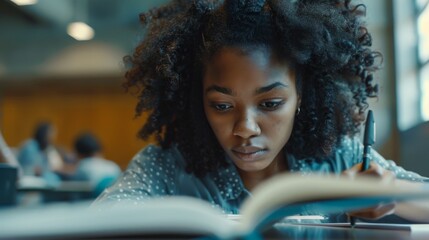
{"type": "Point", "coordinates": [48, 75]}
{"type": "Point", "coordinates": [52, 69]}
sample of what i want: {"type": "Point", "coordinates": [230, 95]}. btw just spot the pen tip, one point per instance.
{"type": "Point", "coordinates": [352, 222]}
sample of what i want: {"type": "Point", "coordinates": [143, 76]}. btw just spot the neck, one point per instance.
{"type": "Point", "coordinates": [80, 156]}
{"type": "Point", "coordinates": [252, 179]}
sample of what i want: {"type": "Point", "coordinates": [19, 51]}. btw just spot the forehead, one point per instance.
{"type": "Point", "coordinates": [259, 64]}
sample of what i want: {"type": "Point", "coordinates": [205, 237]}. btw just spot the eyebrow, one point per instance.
{"type": "Point", "coordinates": [220, 89]}
{"type": "Point", "coordinates": [269, 87]}
{"type": "Point", "coordinates": [228, 91]}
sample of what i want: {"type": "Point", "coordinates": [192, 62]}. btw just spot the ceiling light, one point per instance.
{"type": "Point", "coordinates": [24, 2]}
{"type": "Point", "coordinates": [80, 31]}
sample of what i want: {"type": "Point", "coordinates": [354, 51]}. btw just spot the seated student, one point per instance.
{"type": "Point", "coordinates": [91, 166]}
{"type": "Point", "coordinates": [39, 156]}
{"type": "Point", "coordinates": [239, 91]}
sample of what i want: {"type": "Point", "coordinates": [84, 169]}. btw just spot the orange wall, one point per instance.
{"type": "Point", "coordinates": [107, 111]}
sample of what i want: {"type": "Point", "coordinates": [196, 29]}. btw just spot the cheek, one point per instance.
{"type": "Point", "coordinates": [218, 124]}
{"type": "Point", "coordinates": [280, 125]}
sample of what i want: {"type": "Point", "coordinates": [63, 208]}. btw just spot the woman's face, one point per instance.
{"type": "Point", "coordinates": [250, 101]}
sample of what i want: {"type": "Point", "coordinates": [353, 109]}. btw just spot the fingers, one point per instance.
{"type": "Point", "coordinates": [384, 176]}
{"type": "Point", "coordinates": [351, 172]}
{"type": "Point", "coordinates": [376, 212]}
{"type": "Point", "coordinates": [374, 170]}
{"type": "Point", "coordinates": [388, 177]}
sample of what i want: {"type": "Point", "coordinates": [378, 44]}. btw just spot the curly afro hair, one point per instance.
{"type": "Point", "coordinates": [325, 41]}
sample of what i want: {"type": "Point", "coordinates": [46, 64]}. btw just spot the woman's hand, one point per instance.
{"type": "Point", "coordinates": [385, 176]}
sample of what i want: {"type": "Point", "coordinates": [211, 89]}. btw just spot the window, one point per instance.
{"type": "Point", "coordinates": [422, 10]}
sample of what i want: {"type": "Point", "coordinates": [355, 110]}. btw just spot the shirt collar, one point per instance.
{"type": "Point", "coordinates": [230, 184]}
{"type": "Point", "coordinates": [232, 187]}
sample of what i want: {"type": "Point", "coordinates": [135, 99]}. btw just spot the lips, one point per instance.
{"type": "Point", "coordinates": [249, 153]}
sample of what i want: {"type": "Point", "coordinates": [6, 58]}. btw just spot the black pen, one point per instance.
{"type": "Point", "coordinates": [368, 141]}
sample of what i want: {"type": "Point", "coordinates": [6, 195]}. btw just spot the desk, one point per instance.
{"type": "Point", "coordinates": [65, 191]}
{"type": "Point", "coordinates": [288, 231]}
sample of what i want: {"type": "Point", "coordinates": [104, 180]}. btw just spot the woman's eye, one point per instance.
{"type": "Point", "coordinates": [271, 105]}
{"type": "Point", "coordinates": [221, 107]}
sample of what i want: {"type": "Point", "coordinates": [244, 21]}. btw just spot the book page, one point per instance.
{"type": "Point", "coordinates": [174, 215]}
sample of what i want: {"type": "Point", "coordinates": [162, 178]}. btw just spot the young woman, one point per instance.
{"type": "Point", "coordinates": [239, 91]}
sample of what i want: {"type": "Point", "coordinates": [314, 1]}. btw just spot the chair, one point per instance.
{"type": "Point", "coordinates": [103, 184]}
{"type": "Point", "coordinates": [415, 149]}
{"type": "Point", "coordinates": [8, 179]}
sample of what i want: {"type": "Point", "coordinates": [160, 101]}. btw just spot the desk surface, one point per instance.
{"type": "Point", "coordinates": [291, 232]}
{"type": "Point", "coordinates": [66, 191]}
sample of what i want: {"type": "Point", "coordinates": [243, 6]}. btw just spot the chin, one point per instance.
{"type": "Point", "coordinates": [250, 166]}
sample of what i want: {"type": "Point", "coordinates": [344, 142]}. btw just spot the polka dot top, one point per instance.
{"type": "Point", "coordinates": [155, 172]}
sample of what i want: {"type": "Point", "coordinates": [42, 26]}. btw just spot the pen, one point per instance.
{"type": "Point", "coordinates": [368, 141]}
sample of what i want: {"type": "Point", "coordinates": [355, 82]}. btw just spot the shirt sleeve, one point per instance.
{"type": "Point", "coordinates": [150, 174]}
{"type": "Point", "coordinates": [400, 172]}
{"type": "Point", "coordinates": [29, 157]}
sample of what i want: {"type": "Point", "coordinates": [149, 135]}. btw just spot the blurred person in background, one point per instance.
{"type": "Point", "coordinates": [91, 166]}
{"type": "Point", "coordinates": [39, 157]}
{"type": "Point", "coordinates": [6, 154]}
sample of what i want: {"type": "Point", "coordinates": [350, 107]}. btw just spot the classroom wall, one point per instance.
{"type": "Point", "coordinates": [103, 109]}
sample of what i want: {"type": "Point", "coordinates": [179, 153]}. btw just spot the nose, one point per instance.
{"type": "Point", "coordinates": [246, 126]}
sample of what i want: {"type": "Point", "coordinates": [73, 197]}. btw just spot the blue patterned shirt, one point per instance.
{"type": "Point", "coordinates": [155, 172]}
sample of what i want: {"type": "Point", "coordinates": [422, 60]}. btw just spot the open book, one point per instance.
{"type": "Point", "coordinates": [272, 201]}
